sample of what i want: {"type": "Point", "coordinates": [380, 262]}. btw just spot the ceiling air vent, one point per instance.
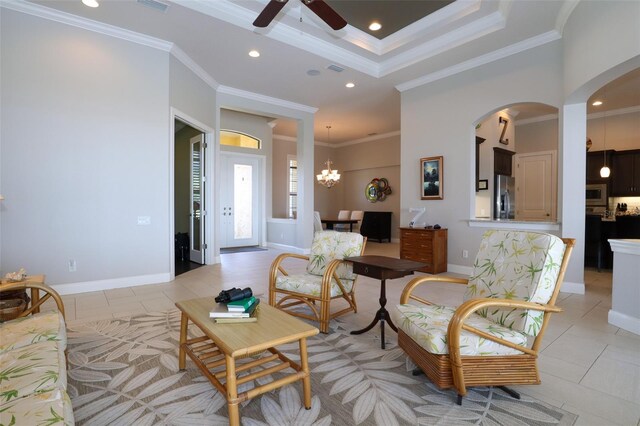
{"type": "Point", "coordinates": [335, 68]}
{"type": "Point", "coordinates": [153, 4]}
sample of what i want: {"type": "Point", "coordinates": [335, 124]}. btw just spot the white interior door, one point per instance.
{"type": "Point", "coordinates": [196, 225]}
{"type": "Point", "coordinates": [536, 183]}
{"type": "Point", "coordinates": [239, 202]}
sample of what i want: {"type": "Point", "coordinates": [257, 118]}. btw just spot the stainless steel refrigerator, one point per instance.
{"type": "Point", "coordinates": [504, 197]}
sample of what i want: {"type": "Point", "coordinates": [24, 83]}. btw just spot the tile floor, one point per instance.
{"type": "Point", "coordinates": [588, 366]}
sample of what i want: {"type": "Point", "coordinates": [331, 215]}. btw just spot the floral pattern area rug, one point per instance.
{"type": "Point", "coordinates": [125, 372]}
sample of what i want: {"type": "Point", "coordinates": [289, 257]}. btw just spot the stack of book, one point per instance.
{"type": "Point", "coordinates": [243, 310]}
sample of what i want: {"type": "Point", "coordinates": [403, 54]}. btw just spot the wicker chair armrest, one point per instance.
{"type": "Point", "coordinates": [37, 286]}
{"type": "Point", "coordinates": [411, 285]}
{"type": "Point", "coordinates": [276, 265]}
{"type": "Point", "coordinates": [456, 325]}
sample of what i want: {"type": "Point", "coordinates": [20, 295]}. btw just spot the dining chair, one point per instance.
{"type": "Point", "coordinates": [342, 215]}
{"type": "Point", "coordinates": [357, 215]}
{"type": "Point", "coordinates": [494, 337]}
{"type": "Point", "coordinates": [317, 224]}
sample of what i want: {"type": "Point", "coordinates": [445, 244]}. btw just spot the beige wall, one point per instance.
{"type": "Point", "coordinates": [359, 164]}
{"type": "Point", "coordinates": [622, 133]}
{"type": "Point", "coordinates": [327, 201]}
{"type": "Point", "coordinates": [536, 137]}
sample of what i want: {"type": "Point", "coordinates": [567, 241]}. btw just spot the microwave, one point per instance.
{"type": "Point", "coordinates": [596, 194]}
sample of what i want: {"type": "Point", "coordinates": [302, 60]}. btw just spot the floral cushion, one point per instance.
{"type": "Point", "coordinates": [427, 325]}
{"type": "Point", "coordinates": [47, 408]}
{"type": "Point", "coordinates": [516, 265]}
{"type": "Point", "coordinates": [309, 284]}
{"type": "Point", "coordinates": [31, 369]}
{"type": "Point", "coordinates": [330, 245]}
{"type": "Point", "coordinates": [33, 329]}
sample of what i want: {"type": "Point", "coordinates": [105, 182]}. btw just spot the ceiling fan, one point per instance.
{"type": "Point", "coordinates": [319, 7]}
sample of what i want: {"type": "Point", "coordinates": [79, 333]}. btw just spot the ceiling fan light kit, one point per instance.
{"type": "Point", "coordinates": [319, 7]}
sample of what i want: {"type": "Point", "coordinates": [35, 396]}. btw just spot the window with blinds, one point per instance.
{"type": "Point", "coordinates": [292, 208]}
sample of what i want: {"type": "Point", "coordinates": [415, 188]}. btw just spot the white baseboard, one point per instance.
{"type": "Point", "coordinates": [290, 249]}
{"type": "Point", "coordinates": [569, 287]}
{"type": "Point", "coordinates": [88, 286]}
{"type": "Point", "coordinates": [459, 269]}
{"type": "Point", "coordinates": [624, 321]}
{"type": "Point", "coordinates": [395, 240]}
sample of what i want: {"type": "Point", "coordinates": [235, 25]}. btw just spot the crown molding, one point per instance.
{"type": "Point", "coordinates": [513, 49]}
{"type": "Point", "coordinates": [186, 60]}
{"type": "Point", "coordinates": [438, 19]}
{"type": "Point", "coordinates": [293, 139]}
{"type": "Point", "coordinates": [285, 138]}
{"type": "Point", "coordinates": [266, 99]}
{"type": "Point", "coordinates": [85, 23]}
{"type": "Point", "coordinates": [472, 31]}
{"type": "Point", "coordinates": [243, 18]}
{"type": "Point", "coordinates": [411, 32]}
{"type": "Point", "coordinates": [613, 112]}
{"type": "Point", "coordinates": [368, 139]}
{"type": "Point", "coordinates": [538, 119]}
{"type": "Point", "coordinates": [592, 116]}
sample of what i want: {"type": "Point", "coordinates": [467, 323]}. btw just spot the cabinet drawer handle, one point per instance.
{"type": "Point", "coordinates": [366, 269]}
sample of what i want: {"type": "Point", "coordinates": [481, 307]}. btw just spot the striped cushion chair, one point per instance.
{"type": "Point", "coordinates": [509, 299]}
{"type": "Point", "coordinates": [326, 277]}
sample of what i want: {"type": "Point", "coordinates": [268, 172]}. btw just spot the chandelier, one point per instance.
{"type": "Point", "coordinates": [328, 177]}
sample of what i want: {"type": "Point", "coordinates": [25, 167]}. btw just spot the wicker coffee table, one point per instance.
{"type": "Point", "coordinates": [223, 344]}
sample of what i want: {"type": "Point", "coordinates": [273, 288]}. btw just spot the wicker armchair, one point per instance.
{"type": "Point", "coordinates": [327, 277]}
{"type": "Point", "coordinates": [509, 298]}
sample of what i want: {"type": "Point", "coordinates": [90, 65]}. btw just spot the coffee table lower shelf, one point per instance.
{"type": "Point", "coordinates": [222, 371]}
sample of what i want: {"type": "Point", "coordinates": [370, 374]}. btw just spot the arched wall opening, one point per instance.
{"type": "Point", "coordinates": [516, 150]}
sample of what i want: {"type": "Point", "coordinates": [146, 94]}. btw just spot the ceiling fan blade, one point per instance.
{"type": "Point", "coordinates": [326, 13]}
{"type": "Point", "coordinates": [268, 13]}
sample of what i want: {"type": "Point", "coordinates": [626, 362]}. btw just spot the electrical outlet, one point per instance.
{"type": "Point", "coordinates": [465, 254]}
{"type": "Point", "coordinates": [72, 265]}
{"type": "Point", "coordinates": [144, 220]}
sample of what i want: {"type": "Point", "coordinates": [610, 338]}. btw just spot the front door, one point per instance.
{"type": "Point", "coordinates": [239, 204]}
{"type": "Point", "coordinates": [196, 225]}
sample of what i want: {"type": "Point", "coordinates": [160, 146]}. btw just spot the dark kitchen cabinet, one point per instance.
{"type": "Point", "coordinates": [376, 226]}
{"type": "Point", "coordinates": [625, 174]}
{"type": "Point", "coordinates": [628, 227]}
{"type": "Point", "coordinates": [595, 161]}
{"type": "Point", "coordinates": [502, 164]}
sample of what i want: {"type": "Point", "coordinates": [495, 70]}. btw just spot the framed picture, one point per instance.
{"type": "Point", "coordinates": [483, 184]}
{"type": "Point", "coordinates": [431, 173]}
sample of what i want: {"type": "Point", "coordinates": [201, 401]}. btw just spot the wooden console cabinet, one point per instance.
{"type": "Point", "coordinates": [425, 245]}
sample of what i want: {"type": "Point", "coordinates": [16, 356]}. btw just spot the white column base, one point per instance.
{"type": "Point", "coordinates": [624, 321]}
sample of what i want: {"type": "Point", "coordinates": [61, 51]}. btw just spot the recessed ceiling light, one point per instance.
{"type": "Point", "coordinates": [375, 26]}
{"type": "Point", "coordinates": [350, 85]}
{"type": "Point", "coordinates": [597, 103]}
{"type": "Point", "coordinates": [313, 73]}
{"type": "Point", "coordinates": [254, 53]}
{"type": "Point", "coordinates": [90, 3]}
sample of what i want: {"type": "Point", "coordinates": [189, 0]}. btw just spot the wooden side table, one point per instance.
{"type": "Point", "coordinates": [382, 268]}
{"type": "Point", "coordinates": [22, 293]}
